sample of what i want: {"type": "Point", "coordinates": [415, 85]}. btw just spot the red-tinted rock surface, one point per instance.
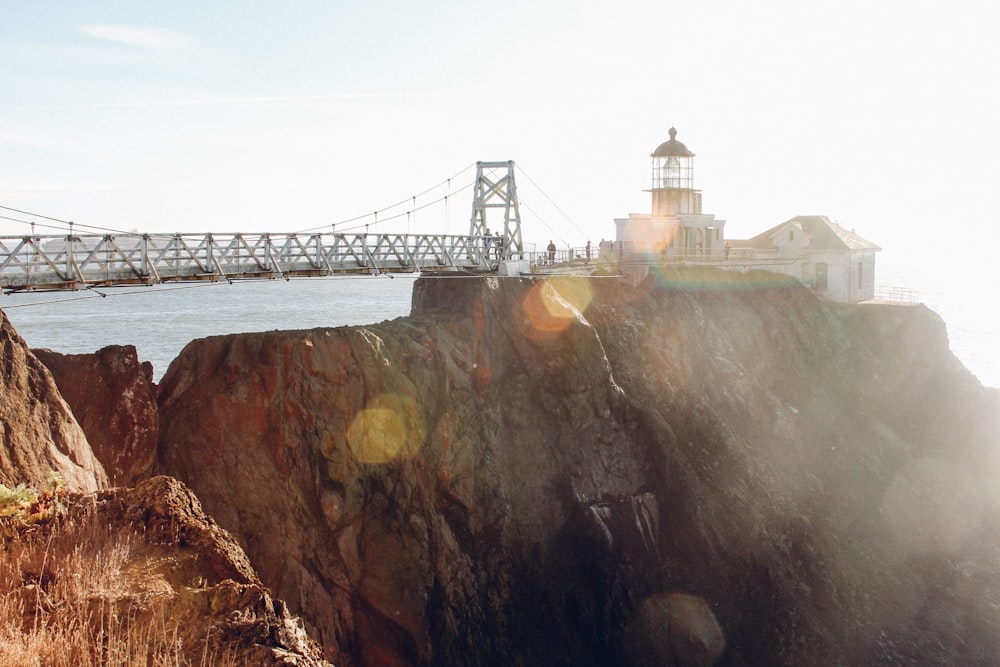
{"type": "Point", "coordinates": [38, 434]}
{"type": "Point", "coordinates": [545, 472]}
{"type": "Point", "coordinates": [113, 398]}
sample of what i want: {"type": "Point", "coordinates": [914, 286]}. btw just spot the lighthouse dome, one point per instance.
{"type": "Point", "coordinates": [672, 147]}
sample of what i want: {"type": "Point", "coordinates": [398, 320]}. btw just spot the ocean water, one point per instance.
{"type": "Point", "coordinates": [159, 321]}
{"type": "Point", "coordinates": [966, 301]}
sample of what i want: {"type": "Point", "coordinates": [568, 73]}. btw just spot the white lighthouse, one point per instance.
{"type": "Point", "coordinates": [673, 179]}
{"type": "Point", "coordinates": [675, 227]}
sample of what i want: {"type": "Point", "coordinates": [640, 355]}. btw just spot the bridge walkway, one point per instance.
{"type": "Point", "coordinates": [78, 261]}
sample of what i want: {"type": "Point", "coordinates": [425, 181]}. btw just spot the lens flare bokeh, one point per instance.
{"type": "Point", "coordinates": [932, 506]}
{"type": "Point", "coordinates": [390, 427]}
{"type": "Point", "coordinates": [550, 306]}
{"type": "Point", "coordinates": [651, 235]}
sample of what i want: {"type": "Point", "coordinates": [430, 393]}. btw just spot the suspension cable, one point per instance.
{"type": "Point", "coordinates": [413, 209]}
{"type": "Point", "coordinates": [542, 220]}
{"type": "Point", "coordinates": [564, 214]}
{"type": "Point", "coordinates": [447, 181]}
{"type": "Point", "coordinates": [64, 222]}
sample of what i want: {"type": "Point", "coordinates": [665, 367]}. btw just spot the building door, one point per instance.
{"type": "Point", "coordinates": [821, 272]}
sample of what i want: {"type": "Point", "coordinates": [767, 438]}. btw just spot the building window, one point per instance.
{"type": "Point", "coordinates": [791, 234]}
{"type": "Point", "coordinates": [861, 275]}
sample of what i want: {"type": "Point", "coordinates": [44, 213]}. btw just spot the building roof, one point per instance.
{"type": "Point", "coordinates": [672, 147]}
{"type": "Point", "coordinates": [824, 234]}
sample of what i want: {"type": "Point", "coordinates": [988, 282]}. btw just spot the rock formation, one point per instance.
{"type": "Point", "coordinates": [208, 586]}
{"type": "Point", "coordinates": [38, 434]}
{"type": "Point", "coordinates": [113, 398]}
{"type": "Point", "coordinates": [143, 572]}
{"type": "Point", "coordinates": [123, 569]}
{"type": "Point", "coordinates": [707, 468]}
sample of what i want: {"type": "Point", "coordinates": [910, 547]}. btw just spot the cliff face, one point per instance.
{"type": "Point", "coordinates": [38, 433]}
{"type": "Point", "coordinates": [113, 398]}
{"type": "Point", "coordinates": [706, 468]}
{"type": "Point", "coordinates": [90, 574]}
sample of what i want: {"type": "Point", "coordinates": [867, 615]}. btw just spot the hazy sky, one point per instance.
{"type": "Point", "coordinates": [279, 116]}
{"type": "Point", "coordinates": [199, 116]}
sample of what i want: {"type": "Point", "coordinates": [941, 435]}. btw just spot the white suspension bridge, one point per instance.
{"type": "Point", "coordinates": [77, 261]}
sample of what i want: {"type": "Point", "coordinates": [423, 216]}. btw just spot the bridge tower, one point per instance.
{"type": "Point", "coordinates": [495, 188]}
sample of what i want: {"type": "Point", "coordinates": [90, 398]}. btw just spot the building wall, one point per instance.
{"type": "Point", "coordinates": [863, 267]}
{"type": "Point", "coordinates": [842, 276]}
{"type": "Point", "coordinates": [684, 235]}
{"type": "Point", "coordinates": [849, 275]}
{"type": "Point", "coordinates": [644, 233]}
{"type": "Point", "coordinates": [668, 202]}
{"type": "Point", "coordinates": [844, 280]}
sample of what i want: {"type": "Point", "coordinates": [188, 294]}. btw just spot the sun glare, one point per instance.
{"type": "Point", "coordinates": [390, 427]}
{"type": "Point", "coordinates": [552, 305]}
{"type": "Point", "coordinates": [932, 506]}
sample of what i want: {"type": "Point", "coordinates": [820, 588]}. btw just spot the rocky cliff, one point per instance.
{"type": "Point", "coordinates": [113, 398]}
{"type": "Point", "coordinates": [94, 575]}
{"type": "Point", "coordinates": [38, 433]}
{"type": "Point", "coordinates": [703, 469]}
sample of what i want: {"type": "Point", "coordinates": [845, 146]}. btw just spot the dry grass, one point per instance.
{"type": "Point", "coordinates": [70, 593]}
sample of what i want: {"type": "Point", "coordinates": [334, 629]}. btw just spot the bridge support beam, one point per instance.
{"type": "Point", "coordinates": [495, 188]}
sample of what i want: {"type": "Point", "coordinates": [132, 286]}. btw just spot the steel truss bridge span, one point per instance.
{"type": "Point", "coordinates": [75, 261]}
{"type": "Point", "coordinates": [81, 260]}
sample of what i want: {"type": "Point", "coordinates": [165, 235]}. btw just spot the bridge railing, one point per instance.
{"type": "Point", "coordinates": [67, 262]}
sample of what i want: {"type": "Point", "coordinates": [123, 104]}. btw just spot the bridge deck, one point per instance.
{"type": "Point", "coordinates": [76, 261]}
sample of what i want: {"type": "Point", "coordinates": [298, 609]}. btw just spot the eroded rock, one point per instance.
{"type": "Point", "coordinates": [504, 476]}
{"type": "Point", "coordinates": [113, 398]}
{"type": "Point", "coordinates": [38, 433]}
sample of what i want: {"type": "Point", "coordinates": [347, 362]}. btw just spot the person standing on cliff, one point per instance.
{"type": "Point", "coordinates": [552, 250]}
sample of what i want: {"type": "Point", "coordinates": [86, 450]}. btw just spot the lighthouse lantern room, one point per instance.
{"type": "Point", "coordinates": [673, 179]}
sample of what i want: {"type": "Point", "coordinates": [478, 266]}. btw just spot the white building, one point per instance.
{"type": "Point", "coordinates": [836, 263]}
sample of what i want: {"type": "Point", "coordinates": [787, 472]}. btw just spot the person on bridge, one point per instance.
{"type": "Point", "coordinates": [552, 251]}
